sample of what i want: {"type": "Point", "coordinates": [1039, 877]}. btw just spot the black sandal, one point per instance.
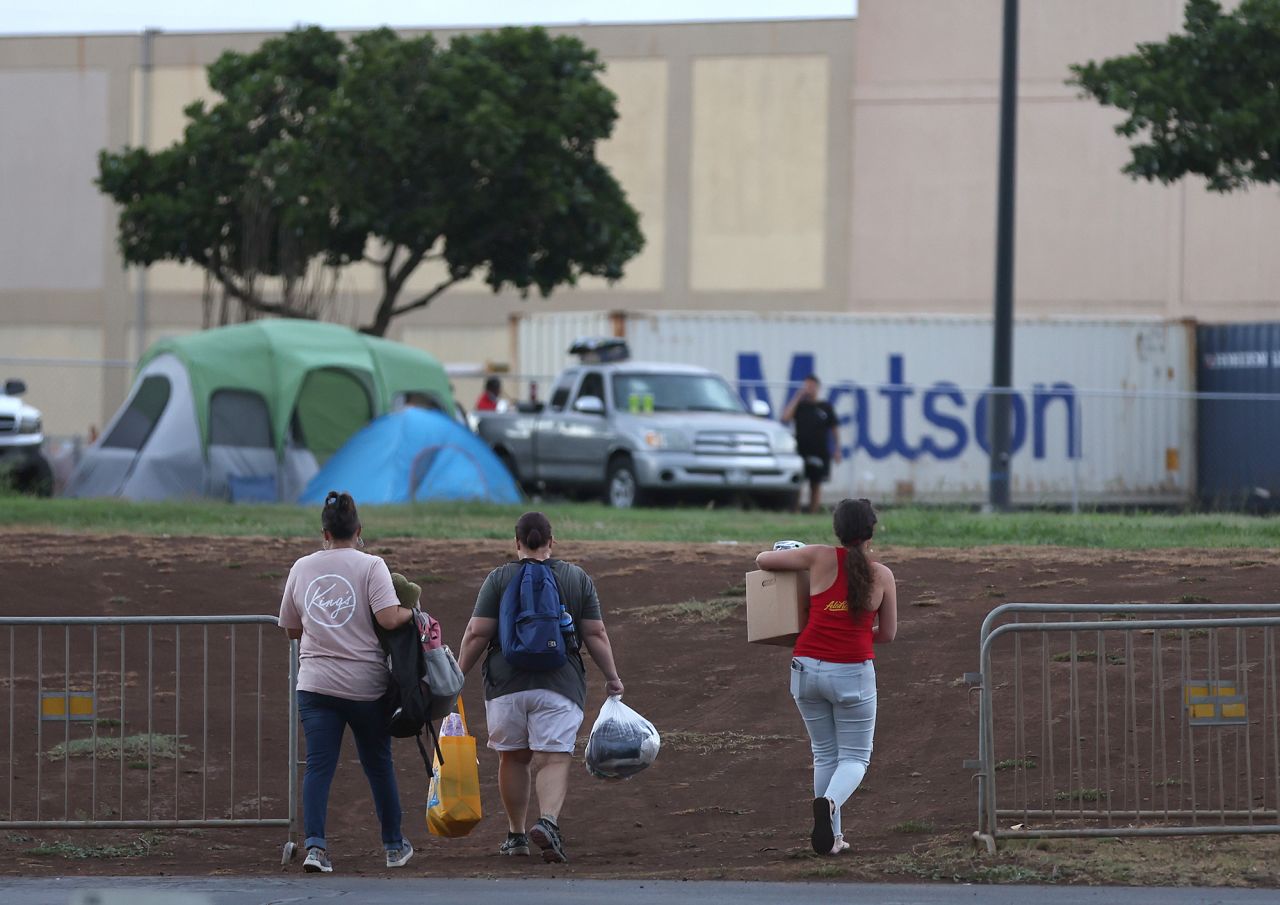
{"type": "Point", "coordinates": [823, 837]}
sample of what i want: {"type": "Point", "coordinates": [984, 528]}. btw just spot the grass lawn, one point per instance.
{"type": "Point", "coordinates": [907, 526]}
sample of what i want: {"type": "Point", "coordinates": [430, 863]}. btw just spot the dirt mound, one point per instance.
{"type": "Point", "coordinates": [729, 795]}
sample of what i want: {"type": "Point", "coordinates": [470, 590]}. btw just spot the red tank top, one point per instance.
{"type": "Point", "coordinates": [829, 633]}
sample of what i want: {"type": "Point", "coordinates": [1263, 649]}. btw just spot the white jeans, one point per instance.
{"type": "Point", "coordinates": [838, 703]}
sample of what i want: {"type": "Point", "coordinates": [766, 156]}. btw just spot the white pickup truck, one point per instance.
{"type": "Point", "coordinates": [633, 431]}
{"type": "Point", "coordinates": [23, 466]}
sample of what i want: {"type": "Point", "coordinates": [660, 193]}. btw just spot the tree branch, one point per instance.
{"type": "Point", "coordinates": [397, 280]}
{"type": "Point", "coordinates": [393, 280]}
{"type": "Point", "coordinates": [387, 264]}
{"type": "Point", "coordinates": [425, 299]}
{"type": "Point", "coordinates": [249, 299]}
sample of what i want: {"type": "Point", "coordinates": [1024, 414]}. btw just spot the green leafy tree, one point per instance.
{"type": "Point", "coordinates": [481, 155]}
{"type": "Point", "coordinates": [1204, 102]}
{"type": "Point", "coordinates": [234, 196]}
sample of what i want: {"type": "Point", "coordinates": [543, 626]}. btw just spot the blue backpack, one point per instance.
{"type": "Point", "coordinates": [529, 620]}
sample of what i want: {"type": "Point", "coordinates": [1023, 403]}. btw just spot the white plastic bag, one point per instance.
{"type": "Point", "coordinates": [622, 742]}
{"type": "Point", "coordinates": [452, 725]}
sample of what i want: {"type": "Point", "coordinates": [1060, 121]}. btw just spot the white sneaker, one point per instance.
{"type": "Point", "coordinates": [399, 857]}
{"type": "Point", "coordinates": [317, 861]}
{"type": "Point", "coordinates": [840, 845]}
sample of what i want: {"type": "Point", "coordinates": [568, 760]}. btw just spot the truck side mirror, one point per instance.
{"type": "Point", "coordinates": [589, 405]}
{"type": "Point", "coordinates": [760, 408]}
{"type": "Point", "coordinates": [14, 387]}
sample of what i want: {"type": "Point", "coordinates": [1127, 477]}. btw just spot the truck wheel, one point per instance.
{"type": "Point", "coordinates": [32, 475]}
{"type": "Point", "coordinates": [509, 464]}
{"type": "Point", "coordinates": [621, 489]}
{"type": "Point", "coordinates": [788, 501]}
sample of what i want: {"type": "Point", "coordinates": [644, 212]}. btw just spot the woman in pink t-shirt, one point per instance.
{"type": "Point", "coordinates": [330, 602]}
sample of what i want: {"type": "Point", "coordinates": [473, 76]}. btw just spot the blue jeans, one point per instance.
{"type": "Point", "coordinates": [324, 718]}
{"type": "Point", "coordinates": [838, 703]}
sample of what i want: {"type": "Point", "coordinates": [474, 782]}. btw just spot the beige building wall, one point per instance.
{"type": "Point", "coordinates": [1089, 240]}
{"type": "Point", "coordinates": [733, 144]}
{"type": "Point", "coordinates": [756, 143]}
{"type": "Point", "coordinates": [636, 153]}
{"type": "Point", "coordinates": [759, 174]}
{"type": "Point", "coordinates": [52, 230]}
{"type": "Point", "coordinates": [806, 166]}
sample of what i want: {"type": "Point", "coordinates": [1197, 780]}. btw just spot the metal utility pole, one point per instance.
{"type": "Point", "coordinates": [1002, 357]}
{"type": "Point", "coordinates": [144, 141]}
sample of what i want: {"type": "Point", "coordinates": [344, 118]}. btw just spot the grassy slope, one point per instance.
{"type": "Point", "coordinates": [913, 527]}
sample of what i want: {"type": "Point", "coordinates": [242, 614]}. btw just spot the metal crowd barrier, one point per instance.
{"type": "Point", "coordinates": [110, 724]}
{"type": "Point", "coordinates": [1136, 720]}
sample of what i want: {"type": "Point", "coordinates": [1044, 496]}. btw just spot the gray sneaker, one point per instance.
{"type": "Point", "coordinates": [516, 844]}
{"type": "Point", "coordinates": [317, 861]}
{"type": "Point", "coordinates": [399, 857]}
{"type": "Point", "coordinates": [546, 835]}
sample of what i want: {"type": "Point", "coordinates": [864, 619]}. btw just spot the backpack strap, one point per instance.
{"type": "Point", "coordinates": [435, 740]}
{"type": "Point", "coordinates": [435, 743]}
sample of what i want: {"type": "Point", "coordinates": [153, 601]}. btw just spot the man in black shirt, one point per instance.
{"type": "Point", "coordinates": [817, 439]}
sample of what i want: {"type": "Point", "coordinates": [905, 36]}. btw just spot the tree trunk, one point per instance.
{"type": "Point", "coordinates": [387, 308]}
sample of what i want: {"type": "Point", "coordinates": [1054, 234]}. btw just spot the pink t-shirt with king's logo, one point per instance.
{"type": "Point", "coordinates": [332, 595]}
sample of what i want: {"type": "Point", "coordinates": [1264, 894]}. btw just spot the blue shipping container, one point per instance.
{"type": "Point", "coordinates": [1239, 439]}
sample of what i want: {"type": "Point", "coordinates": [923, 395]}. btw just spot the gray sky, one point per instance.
{"type": "Point", "coordinates": [80, 16]}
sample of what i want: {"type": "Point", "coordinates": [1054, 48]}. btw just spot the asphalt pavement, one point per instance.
{"type": "Point", "coordinates": [321, 889]}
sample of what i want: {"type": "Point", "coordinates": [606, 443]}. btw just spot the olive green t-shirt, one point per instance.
{"type": "Point", "coordinates": [578, 594]}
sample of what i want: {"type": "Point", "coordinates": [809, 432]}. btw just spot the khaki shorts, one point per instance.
{"type": "Point", "coordinates": [537, 720]}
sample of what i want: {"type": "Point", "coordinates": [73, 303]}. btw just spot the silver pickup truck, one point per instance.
{"type": "Point", "coordinates": [633, 431]}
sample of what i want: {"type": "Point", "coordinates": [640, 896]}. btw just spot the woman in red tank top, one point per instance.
{"type": "Point", "coordinates": [853, 605]}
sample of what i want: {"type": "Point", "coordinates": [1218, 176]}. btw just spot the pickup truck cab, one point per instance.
{"type": "Point", "coordinates": [632, 430]}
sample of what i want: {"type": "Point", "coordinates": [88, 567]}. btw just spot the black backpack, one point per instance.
{"type": "Point", "coordinates": [407, 702]}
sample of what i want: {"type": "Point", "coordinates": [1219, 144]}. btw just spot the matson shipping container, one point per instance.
{"type": "Point", "coordinates": [1102, 414]}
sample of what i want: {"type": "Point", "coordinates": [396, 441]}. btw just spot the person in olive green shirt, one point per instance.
{"type": "Point", "coordinates": [533, 717]}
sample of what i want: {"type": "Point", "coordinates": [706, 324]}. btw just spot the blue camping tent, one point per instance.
{"type": "Point", "coordinates": [414, 455]}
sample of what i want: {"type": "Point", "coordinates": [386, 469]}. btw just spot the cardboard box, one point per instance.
{"type": "Point", "coordinates": [777, 606]}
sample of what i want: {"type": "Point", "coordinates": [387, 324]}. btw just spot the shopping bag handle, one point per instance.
{"type": "Point", "coordinates": [462, 713]}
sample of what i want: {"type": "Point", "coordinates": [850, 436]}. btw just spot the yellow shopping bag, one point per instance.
{"type": "Point", "coordinates": [453, 801]}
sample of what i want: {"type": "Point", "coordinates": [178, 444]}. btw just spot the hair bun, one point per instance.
{"type": "Point", "coordinates": [339, 515]}
{"type": "Point", "coordinates": [340, 500]}
{"type": "Point", "coordinates": [533, 530]}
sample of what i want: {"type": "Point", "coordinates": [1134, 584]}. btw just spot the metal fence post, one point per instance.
{"type": "Point", "coordinates": [291, 844]}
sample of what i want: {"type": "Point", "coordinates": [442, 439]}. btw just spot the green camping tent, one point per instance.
{"type": "Point", "coordinates": [268, 399]}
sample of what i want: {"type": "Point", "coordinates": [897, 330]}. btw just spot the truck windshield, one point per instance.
{"type": "Point", "coordinates": [673, 393]}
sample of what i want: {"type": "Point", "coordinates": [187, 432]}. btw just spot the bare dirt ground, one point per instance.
{"type": "Point", "coordinates": [729, 795]}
